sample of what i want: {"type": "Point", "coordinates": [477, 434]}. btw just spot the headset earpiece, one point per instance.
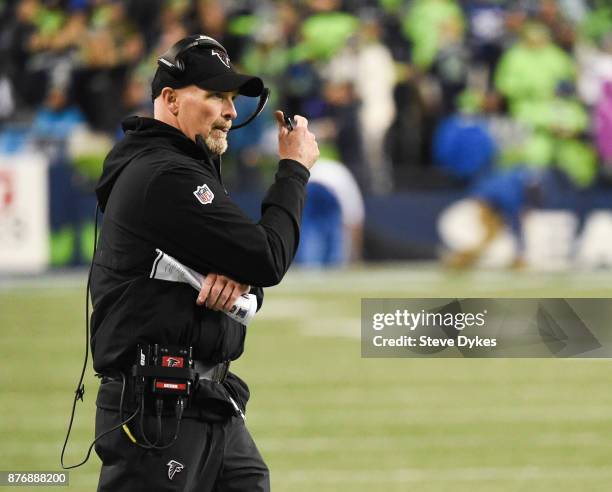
{"type": "Point", "coordinates": [171, 59]}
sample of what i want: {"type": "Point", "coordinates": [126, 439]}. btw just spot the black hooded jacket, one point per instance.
{"type": "Point", "coordinates": [147, 194]}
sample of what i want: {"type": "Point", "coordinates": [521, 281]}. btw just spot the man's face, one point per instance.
{"type": "Point", "coordinates": [206, 113]}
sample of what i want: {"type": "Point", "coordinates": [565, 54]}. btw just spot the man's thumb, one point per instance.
{"type": "Point", "coordinates": [279, 118]}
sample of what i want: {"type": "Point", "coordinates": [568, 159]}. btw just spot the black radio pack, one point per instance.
{"type": "Point", "coordinates": [164, 371]}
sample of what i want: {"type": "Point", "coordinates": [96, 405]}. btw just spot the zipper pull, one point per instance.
{"type": "Point", "coordinates": [237, 408]}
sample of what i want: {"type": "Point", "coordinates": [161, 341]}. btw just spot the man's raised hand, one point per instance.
{"type": "Point", "coordinates": [299, 144]}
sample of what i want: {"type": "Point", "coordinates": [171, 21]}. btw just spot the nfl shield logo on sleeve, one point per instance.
{"type": "Point", "coordinates": [204, 194]}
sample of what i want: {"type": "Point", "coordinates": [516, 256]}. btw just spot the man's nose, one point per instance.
{"type": "Point", "coordinates": [229, 110]}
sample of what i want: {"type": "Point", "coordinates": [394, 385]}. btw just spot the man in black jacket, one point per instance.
{"type": "Point", "coordinates": [161, 187]}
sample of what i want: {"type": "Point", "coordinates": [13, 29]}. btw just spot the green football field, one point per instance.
{"type": "Point", "coordinates": [326, 419]}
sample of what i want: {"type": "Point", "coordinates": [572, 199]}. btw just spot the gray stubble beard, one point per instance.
{"type": "Point", "coordinates": [216, 145]}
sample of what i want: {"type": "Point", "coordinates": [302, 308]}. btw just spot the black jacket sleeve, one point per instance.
{"type": "Point", "coordinates": [258, 292]}
{"type": "Point", "coordinates": [217, 236]}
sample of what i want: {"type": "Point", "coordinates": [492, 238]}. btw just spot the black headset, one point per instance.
{"type": "Point", "coordinates": [171, 62]}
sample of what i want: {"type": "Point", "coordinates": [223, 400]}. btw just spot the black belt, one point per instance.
{"type": "Point", "coordinates": [211, 372]}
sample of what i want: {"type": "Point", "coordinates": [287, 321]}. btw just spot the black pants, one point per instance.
{"type": "Point", "coordinates": [215, 457]}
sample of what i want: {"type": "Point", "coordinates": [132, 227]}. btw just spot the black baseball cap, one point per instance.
{"type": "Point", "coordinates": [210, 69]}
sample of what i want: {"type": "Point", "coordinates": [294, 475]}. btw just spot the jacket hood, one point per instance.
{"type": "Point", "coordinates": [142, 135]}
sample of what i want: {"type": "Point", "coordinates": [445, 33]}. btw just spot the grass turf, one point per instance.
{"type": "Point", "coordinates": [324, 418]}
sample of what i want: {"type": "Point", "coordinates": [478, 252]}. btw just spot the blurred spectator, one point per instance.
{"type": "Point", "coordinates": [321, 231]}
{"type": "Point", "coordinates": [87, 149]}
{"type": "Point", "coordinates": [510, 135]}
{"type": "Point", "coordinates": [16, 41]}
{"type": "Point", "coordinates": [595, 66]}
{"type": "Point", "coordinates": [487, 33]}
{"type": "Point", "coordinates": [324, 32]}
{"type": "Point", "coordinates": [171, 30]}
{"type": "Point", "coordinates": [404, 140]}
{"type": "Point", "coordinates": [147, 17]}
{"type": "Point", "coordinates": [366, 98]}
{"type": "Point", "coordinates": [288, 20]}
{"type": "Point", "coordinates": [57, 117]}
{"type": "Point", "coordinates": [332, 226]}
{"type": "Point", "coordinates": [558, 125]}
{"type": "Point", "coordinates": [463, 146]}
{"type": "Point", "coordinates": [268, 55]}
{"type": "Point", "coordinates": [450, 68]}
{"type": "Point", "coordinates": [574, 10]}
{"type": "Point", "coordinates": [111, 46]}
{"type": "Point", "coordinates": [7, 98]}
{"type": "Point", "coordinates": [603, 126]}
{"type": "Point", "coordinates": [210, 17]}
{"type": "Point", "coordinates": [374, 88]}
{"type": "Point", "coordinates": [431, 25]}
{"type": "Point", "coordinates": [137, 96]}
{"type": "Point", "coordinates": [531, 69]}
{"type": "Point", "coordinates": [344, 128]}
{"type": "Point", "coordinates": [552, 16]}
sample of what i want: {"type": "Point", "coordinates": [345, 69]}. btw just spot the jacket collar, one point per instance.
{"type": "Point", "coordinates": [166, 136]}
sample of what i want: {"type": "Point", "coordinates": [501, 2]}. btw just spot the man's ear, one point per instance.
{"type": "Point", "coordinates": [169, 97]}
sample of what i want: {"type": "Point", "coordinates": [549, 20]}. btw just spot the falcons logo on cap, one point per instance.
{"type": "Point", "coordinates": [174, 467]}
{"type": "Point", "coordinates": [222, 56]}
